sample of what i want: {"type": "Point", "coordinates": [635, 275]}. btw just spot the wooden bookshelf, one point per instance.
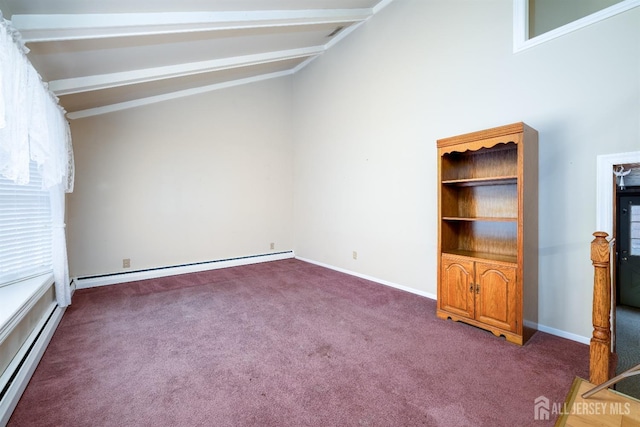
{"type": "Point", "coordinates": [487, 234]}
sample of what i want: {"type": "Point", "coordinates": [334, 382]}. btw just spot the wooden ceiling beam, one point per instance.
{"type": "Point", "coordinates": [105, 81]}
{"type": "Point", "coordinates": [37, 28]}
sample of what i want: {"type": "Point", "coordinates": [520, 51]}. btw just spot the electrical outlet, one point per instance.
{"type": "Point", "coordinates": [272, 246]}
{"type": "Point", "coordinates": [126, 263]}
{"type": "Point", "coordinates": [355, 255]}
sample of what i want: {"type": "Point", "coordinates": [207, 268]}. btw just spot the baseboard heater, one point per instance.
{"type": "Point", "coordinates": [173, 270]}
{"type": "Point", "coordinates": [25, 362]}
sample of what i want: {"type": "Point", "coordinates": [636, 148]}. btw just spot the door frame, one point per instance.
{"type": "Point", "coordinates": [605, 200]}
{"type": "Point", "coordinates": [605, 212]}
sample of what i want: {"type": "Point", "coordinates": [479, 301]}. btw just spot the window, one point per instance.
{"type": "Point", "coordinates": [635, 230]}
{"type": "Point", "coordinates": [25, 229]}
{"type": "Point", "coordinates": [538, 21]}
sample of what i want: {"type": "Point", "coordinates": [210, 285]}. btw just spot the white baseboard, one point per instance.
{"type": "Point", "coordinates": [564, 334]}
{"type": "Point", "coordinates": [539, 327]}
{"type": "Point", "coordinates": [557, 332]}
{"type": "Point", "coordinates": [112, 279]}
{"type": "Point", "coordinates": [372, 279]}
{"type": "Point", "coordinates": [46, 329]}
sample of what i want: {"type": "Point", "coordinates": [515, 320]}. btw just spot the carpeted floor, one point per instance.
{"type": "Point", "coordinates": [628, 348]}
{"type": "Point", "coordinates": [284, 343]}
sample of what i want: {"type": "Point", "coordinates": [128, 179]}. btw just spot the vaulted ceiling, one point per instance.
{"type": "Point", "coordinates": [106, 55]}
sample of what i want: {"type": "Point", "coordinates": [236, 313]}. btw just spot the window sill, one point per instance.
{"type": "Point", "coordinates": [18, 298]}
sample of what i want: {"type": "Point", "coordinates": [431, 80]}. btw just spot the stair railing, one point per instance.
{"type": "Point", "coordinates": [600, 345]}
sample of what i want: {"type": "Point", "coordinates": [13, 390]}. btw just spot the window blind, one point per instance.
{"type": "Point", "coordinates": [25, 229]}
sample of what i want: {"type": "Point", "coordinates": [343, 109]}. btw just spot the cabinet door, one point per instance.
{"type": "Point", "coordinates": [496, 297]}
{"type": "Point", "coordinates": [457, 290]}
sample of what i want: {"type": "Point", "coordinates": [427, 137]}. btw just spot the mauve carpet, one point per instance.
{"type": "Point", "coordinates": [284, 343]}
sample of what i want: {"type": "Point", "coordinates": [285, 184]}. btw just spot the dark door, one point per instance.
{"type": "Point", "coordinates": [629, 251]}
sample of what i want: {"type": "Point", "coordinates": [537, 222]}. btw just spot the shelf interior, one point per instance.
{"type": "Point", "coordinates": [479, 203]}
{"type": "Point", "coordinates": [481, 164]}
{"type": "Point", "coordinates": [495, 240]}
{"type": "Point", "coordinates": [486, 201]}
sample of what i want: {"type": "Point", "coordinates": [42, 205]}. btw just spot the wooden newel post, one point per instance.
{"type": "Point", "coordinates": [600, 348]}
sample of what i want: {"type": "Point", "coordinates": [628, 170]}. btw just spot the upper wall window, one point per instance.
{"type": "Point", "coordinates": [547, 15]}
{"type": "Point", "coordinates": [538, 21]}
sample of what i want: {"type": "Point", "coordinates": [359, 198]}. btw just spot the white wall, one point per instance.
{"type": "Point", "coordinates": [342, 156]}
{"type": "Point", "coordinates": [201, 178]}
{"type": "Point", "coordinates": [368, 112]}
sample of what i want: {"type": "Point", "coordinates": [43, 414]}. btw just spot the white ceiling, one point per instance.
{"type": "Point", "coordinates": [106, 55]}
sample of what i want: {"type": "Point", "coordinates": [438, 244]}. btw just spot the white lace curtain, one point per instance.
{"type": "Point", "coordinates": [33, 127]}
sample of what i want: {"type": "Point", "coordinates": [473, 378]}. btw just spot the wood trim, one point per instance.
{"type": "Point", "coordinates": [514, 128]}
{"type": "Point", "coordinates": [511, 337]}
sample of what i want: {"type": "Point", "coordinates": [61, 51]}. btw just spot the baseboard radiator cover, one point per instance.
{"type": "Point", "coordinates": [174, 270]}
{"type": "Point", "coordinates": [25, 362]}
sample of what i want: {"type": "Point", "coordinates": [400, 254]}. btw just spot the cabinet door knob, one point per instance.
{"type": "Point", "coordinates": [471, 288]}
{"type": "Point", "coordinates": [477, 289]}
